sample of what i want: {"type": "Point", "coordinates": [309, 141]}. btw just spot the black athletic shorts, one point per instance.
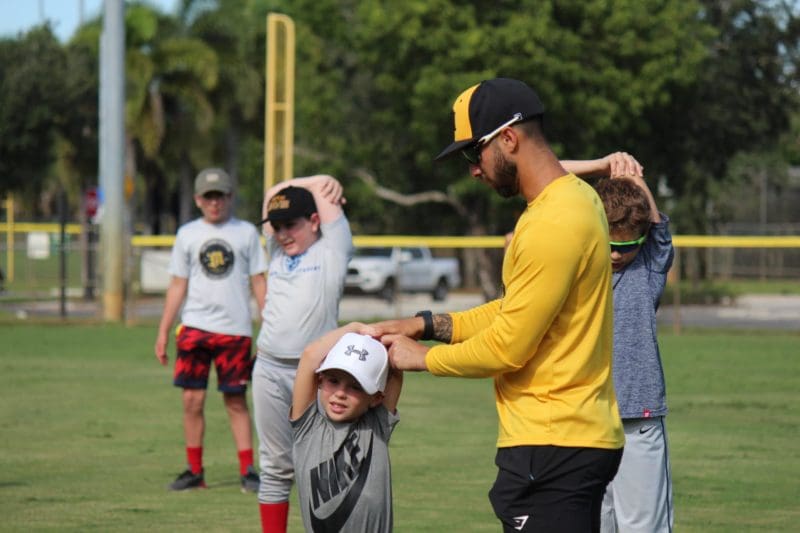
{"type": "Point", "coordinates": [552, 488]}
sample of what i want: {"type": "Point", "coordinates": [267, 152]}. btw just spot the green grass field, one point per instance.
{"type": "Point", "coordinates": [90, 435]}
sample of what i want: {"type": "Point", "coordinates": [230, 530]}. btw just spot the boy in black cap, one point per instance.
{"type": "Point", "coordinates": [547, 341]}
{"type": "Point", "coordinates": [310, 244]}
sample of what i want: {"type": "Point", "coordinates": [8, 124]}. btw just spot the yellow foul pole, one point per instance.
{"type": "Point", "coordinates": [279, 101]}
{"type": "Point", "coordinates": [10, 237]}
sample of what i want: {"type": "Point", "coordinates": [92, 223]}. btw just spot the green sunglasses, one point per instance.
{"type": "Point", "coordinates": [624, 247]}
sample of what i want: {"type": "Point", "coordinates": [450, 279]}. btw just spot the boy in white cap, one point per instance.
{"type": "Point", "coordinates": [343, 414]}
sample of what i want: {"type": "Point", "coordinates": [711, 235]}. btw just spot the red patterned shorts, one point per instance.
{"type": "Point", "coordinates": [198, 348]}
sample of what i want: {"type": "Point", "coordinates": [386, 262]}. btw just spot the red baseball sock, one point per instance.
{"type": "Point", "coordinates": [274, 517]}
{"type": "Point", "coordinates": [195, 458]}
{"type": "Point", "coordinates": [245, 460]}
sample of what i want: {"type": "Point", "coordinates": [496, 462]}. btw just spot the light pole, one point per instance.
{"type": "Point", "coordinates": [112, 152]}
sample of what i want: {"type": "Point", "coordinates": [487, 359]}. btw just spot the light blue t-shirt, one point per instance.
{"type": "Point", "coordinates": [303, 292]}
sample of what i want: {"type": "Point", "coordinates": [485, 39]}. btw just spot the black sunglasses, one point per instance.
{"type": "Point", "coordinates": [472, 153]}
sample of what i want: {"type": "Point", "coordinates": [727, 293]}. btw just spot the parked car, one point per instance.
{"type": "Point", "coordinates": [385, 270]}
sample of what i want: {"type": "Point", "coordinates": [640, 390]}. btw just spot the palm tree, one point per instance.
{"type": "Point", "coordinates": [168, 113]}
{"type": "Point", "coordinates": [230, 28]}
{"type": "Point", "coordinates": [169, 76]}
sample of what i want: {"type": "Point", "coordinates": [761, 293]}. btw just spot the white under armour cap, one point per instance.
{"type": "Point", "coordinates": [362, 357]}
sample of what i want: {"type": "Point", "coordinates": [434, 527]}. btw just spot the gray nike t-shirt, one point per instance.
{"type": "Point", "coordinates": [342, 470]}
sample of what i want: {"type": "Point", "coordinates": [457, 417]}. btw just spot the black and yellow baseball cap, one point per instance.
{"type": "Point", "coordinates": [289, 203]}
{"type": "Point", "coordinates": [490, 104]}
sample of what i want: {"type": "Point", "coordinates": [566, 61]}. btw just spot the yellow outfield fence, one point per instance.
{"type": "Point", "coordinates": [47, 265]}
{"type": "Point", "coordinates": [489, 241]}
{"type": "Point", "coordinates": [736, 241]}
{"type": "Point", "coordinates": [730, 256]}
{"type": "Point", "coordinates": [44, 227]}
{"type": "Point", "coordinates": [680, 241]}
{"type": "Point", "coordinates": [453, 242]}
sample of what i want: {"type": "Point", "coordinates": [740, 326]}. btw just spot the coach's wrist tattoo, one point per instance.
{"type": "Point", "coordinates": [443, 328]}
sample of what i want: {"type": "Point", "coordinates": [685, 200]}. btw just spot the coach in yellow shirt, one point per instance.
{"type": "Point", "coordinates": [547, 340]}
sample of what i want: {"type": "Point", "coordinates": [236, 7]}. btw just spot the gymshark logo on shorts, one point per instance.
{"type": "Point", "coordinates": [520, 521]}
{"type": "Point", "coordinates": [362, 354]}
{"type": "Point", "coordinates": [344, 472]}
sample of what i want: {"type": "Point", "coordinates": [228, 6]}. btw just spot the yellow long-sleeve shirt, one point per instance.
{"type": "Point", "coordinates": [547, 342]}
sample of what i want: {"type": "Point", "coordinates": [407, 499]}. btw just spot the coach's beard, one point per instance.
{"type": "Point", "coordinates": [506, 177]}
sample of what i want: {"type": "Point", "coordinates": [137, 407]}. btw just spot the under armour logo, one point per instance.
{"type": "Point", "coordinates": [519, 522]}
{"type": "Point", "coordinates": [362, 354]}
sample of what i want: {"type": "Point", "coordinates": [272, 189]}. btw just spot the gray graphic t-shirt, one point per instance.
{"type": "Point", "coordinates": [218, 260]}
{"type": "Point", "coordinates": [342, 471]}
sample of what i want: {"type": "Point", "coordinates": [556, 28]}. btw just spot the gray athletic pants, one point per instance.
{"type": "Point", "coordinates": [273, 381]}
{"type": "Point", "coordinates": [639, 498]}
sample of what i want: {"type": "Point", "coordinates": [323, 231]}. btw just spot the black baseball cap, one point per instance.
{"type": "Point", "coordinates": [290, 203]}
{"type": "Point", "coordinates": [488, 105]}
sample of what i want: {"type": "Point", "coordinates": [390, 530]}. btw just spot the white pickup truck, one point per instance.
{"type": "Point", "coordinates": [385, 270]}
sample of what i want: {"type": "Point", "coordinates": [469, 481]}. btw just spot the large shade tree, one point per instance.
{"type": "Point", "coordinates": [376, 82]}
{"type": "Point", "coordinates": [742, 99]}
{"type": "Point", "coordinates": [683, 84]}
{"type": "Point", "coordinates": [33, 106]}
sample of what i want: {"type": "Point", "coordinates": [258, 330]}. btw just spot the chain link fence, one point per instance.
{"type": "Point", "coordinates": [43, 263]}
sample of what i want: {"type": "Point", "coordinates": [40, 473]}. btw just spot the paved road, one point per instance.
{"type": "Point", "coordinates": [751, 312]}
{"type": "Point", "coordinates": [748, 312]}
{"type": "Point", "coordinates": [351, 308]}
{"type": "Point", "coordinates": [368, 308]}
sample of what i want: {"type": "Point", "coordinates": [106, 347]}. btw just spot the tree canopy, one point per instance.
{"type": "Point", "coordinates": [32, 107]}
{"type": "Point", "coordinates": [685, 85]}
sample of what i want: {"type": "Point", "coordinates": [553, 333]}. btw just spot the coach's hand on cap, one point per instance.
{"type": "Point", "coordinates": [409, 327]}
{"type": "Point", "coordinates": [405, 353]}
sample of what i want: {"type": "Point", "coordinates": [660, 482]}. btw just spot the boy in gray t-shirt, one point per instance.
{"type": "Point", "coordinates": [216, 263]}
{"type": "Point", "coordinates": [640, 496]}
{"type": "Point", "coordinates": [343, 414]}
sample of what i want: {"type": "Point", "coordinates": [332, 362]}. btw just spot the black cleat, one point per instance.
{"type": "Point", "coordinates": [250, 481]}
{"type": "Point", "coordinates": [187, 481]}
